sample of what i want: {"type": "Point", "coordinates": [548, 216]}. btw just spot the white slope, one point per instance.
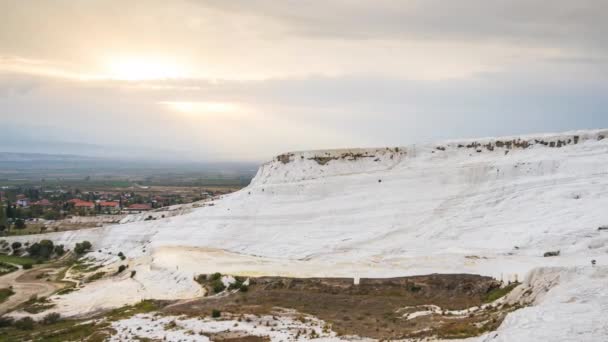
{"type": "Point", "coordinates": [490, 206]}
{"type": "Point", "coordinates": [572, 306]}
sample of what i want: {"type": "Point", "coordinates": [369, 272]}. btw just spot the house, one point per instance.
{"type": "Point", "coordinates": [23, 202]}
{"type": "Point", "coordinates": [138, 207]}
{"type": "Point", "coordinates": [109, 206]}
{"type": "Point", "coordinates": [84, 204]}
{"type": "Point", "coordinates": [43, 203]}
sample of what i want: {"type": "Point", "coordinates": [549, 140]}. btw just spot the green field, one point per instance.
{"type": "Point", "coordinates": [17, 260]}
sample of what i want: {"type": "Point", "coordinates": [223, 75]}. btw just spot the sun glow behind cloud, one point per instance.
{"type": "Point", "coordinates": [144, 68]}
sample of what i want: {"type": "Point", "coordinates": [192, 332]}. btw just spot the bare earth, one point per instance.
{"type": "Point", "coordinates": [25, 285]}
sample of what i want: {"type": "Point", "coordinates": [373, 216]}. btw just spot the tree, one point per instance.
{"type": "Point", "coordinates": [25, 323]}
{"type": "Point", "coordinates": [51, 318]}
{"type": "Point", "coordinates": [9, 210]}
{"type": "Point", "coordinates": [6, 321]}
{"type": "Point", "coordinates": [35, 211]}
{"type": "Point", "coordinates": [43, 249]}
{"type": "Point", "coordinates": [16, 245]}
{"type": "Point", "coordinates": [215, 313]}
{"type": "Point", "coordinates": [82, 247]}
{"type": "Point", "coordinates": [2, 216]}
{"type": "Point", "coordinates": [20, 224]}
{"type": "Point", "coordinates": [51, 215]}
{"type": "Point", "coordinates": [59, 250]}
{"type": "Point", "coordinates": [218, 286]}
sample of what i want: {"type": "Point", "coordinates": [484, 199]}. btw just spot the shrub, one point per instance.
{"type": "Point", "coordinates": [216, 276]}
{"type": "Point", "coordinates": [59, 250]}
{"type": "Point", "coordinates": [25, 323]}
{"type": "Point", "coordinates": [215, 313]}
{"type": "Point", "coordinates": [121, 256]}
{"type": "Point", "coordinates": [51, 318]}
{"type": "Point", "coordinates": [133, 274]}
{"type": "Point", "coordinates": [218, 286]}
{"type": "Point", "coordinates": [201, 278]}
{"type": "Point", "coordinates": [121, 268]}
{"type": "Point", "coordinates": [244, 288]}
{"type": "Point", "coordinates": [20, 224]}
{"type": "Point", "coordinates": [16, 245]}
{"type": "Point", "coordinates": [82, 247]}
{"type": "Point", "coordinates": [499, 292]}
{"type": "Point", "coordinates": [551, 254]}
{"type": "Point", "coordinates": [6, 321]}
{"type": "Point", "coordinates": [27, 266]}
{"type": "Point", "coordinates": [236, 285]}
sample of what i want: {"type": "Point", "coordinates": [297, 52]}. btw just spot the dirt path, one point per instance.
{"type": "Point", "coordinates": [25, 285]}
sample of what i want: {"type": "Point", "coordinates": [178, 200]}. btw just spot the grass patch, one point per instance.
{"type": "Point", "coordinates": [66, 291]}
{"type": "Point", "coordinates": [96, 276]}
{"type": "Point", "coordinates": [69, 330]}
{"type": "Point", "coordinates": [499, 293]}
{"type": "Point", "coordinates": [460, 330]}
{"type": "Point", "coordinates": [77, 330]}
{"type": "Point", "coordinates": [18, 260]}
{"type": "Point", "coordinates": [5, 293]}
{"type": "Point", "coordinates": [7, 268]}
{"type": "Point", "coordinates": [37, 305]}
{"type": "Point", "coordinates": [85, 265]}
{"type": "Point", "coordinates": [144, 306]}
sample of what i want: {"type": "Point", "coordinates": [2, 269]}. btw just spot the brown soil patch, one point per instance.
{"type": "Point", "coordinates": [370, 309]}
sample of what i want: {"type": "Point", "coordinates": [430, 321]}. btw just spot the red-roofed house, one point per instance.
{"type": "Point", "coordinates": [109, 206]}
{"type": "Point", "coordinates": [43, 203]}
{"type": "Point", "coordinates": [84, 204]}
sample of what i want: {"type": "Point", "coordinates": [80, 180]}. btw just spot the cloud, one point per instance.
{"type": "Point", "coordinates": [279, 115]}
{"type": "Point", "coordinates": [265, 39]}
{"type": "Point", "coordinates": [245, 80]}
{"type": "Point", "coordinates": [517, 21]}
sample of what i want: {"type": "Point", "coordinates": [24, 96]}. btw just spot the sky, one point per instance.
{"type": "Point", "coordinates": [244, 80]}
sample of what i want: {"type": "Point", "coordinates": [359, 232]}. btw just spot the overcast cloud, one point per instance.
{"type": "Point", "coordinates": [245, 80]}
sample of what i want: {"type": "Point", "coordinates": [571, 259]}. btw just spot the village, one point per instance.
{"type": "Point", "coordinates": [32, 209]}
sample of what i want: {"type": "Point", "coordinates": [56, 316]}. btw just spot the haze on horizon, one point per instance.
{"type": "Point", "coordinates": [248, 79]}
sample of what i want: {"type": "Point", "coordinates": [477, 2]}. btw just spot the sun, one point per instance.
{"type": "Point", "coordinates": [141, 68]}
